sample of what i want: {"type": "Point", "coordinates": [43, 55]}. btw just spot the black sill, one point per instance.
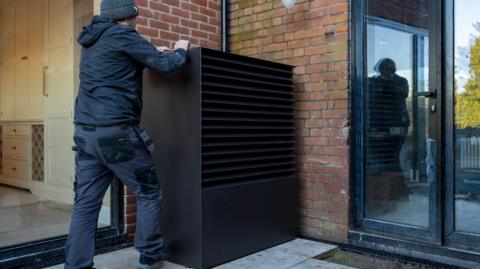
{"type": "Point", "coordinates": [51, 252]}
{"type": "Point", "coordinates": [435, 255]}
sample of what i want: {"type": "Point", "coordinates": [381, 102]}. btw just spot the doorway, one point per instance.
{"type": "Point", "coordinates": [417, 103]}
{"type": "Point", "coordinates": [38, 83]}
{"type": "Point", "coordinates": [397, 179]}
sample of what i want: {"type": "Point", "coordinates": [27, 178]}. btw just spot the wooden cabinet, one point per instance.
{"type": "Point", "coordinates": [59, 164]}
{"type": "Point", "coordinates": [16, 131]}
{"type": "Point", "coordinates": [35, 29]}
{"type": "Point", "coordinates": [38, 80]}
{"type": "Point", "coordinates": [8, 32]}
{"type": "Point", "coordinates": [60, 23]}
{"type": "Point", "coordinates": [21, 59]}
{"type": "Point", "coordinates": [7, 90]}
{"type": "Point", "coordinates": [15, 169]}
{"type": "Point", "coordinates": [35, 89]}
{"type": "Point", "coordinates": [21, 90]}
{"type": "Point", "coordinates": [21, 29]}
{"type": "Point", "coordinates": [16, 149]}
{"type": "Point", "coordinates": [22, 153]}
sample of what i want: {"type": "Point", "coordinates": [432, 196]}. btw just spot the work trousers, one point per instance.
{"type": "Point", "coordinates": [102, 153]}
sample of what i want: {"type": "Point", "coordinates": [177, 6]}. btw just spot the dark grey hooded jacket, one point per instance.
{"type": "Point", "coordinates": [112, 61]}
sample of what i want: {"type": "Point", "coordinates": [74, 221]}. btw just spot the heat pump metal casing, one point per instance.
{"type": "Point", "coordinates": [223, 128]}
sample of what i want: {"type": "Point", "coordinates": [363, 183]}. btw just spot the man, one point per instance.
{"type": "Point", "coordinates": [108, 140]}
{"type": "Point", "coordinates": [388, 122]}
{"type": "Point", "coordinates": [388, 110]}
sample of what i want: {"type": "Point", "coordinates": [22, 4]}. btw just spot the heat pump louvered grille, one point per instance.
{"type": "Point", "coordinates": [247, 120]}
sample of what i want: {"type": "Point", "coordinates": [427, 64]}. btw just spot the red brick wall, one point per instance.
{"type": "Point", "coordinates": [129, 213]}
{"type": "Point", "coordinates": [163, 22]}
{"type": "Point", "coordinates": [298, 36]}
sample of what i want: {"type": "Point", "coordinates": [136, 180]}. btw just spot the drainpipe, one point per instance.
{"type": "Point", "coordinates": [225, 25]}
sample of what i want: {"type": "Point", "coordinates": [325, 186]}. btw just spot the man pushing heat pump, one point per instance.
{"type": "Point", "coordinates": [108, 140]}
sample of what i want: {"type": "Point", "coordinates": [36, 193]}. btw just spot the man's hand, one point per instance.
{"type": "Point", "coordinates": [163, 49]}
{"type": "Point", "coordinates": [182, 44]}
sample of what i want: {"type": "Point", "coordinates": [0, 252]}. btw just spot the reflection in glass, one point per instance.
{"type": "Point", "coordinates": [467, 116]}
{"type": "Point", "coordinates": [396, 122]}
{"type": "Point", "coordinates": [36, 130]}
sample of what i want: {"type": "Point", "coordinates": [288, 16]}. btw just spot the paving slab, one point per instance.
{"type": "Point", "coordinates": [282, 256]}
{"type": "Point", "coordinates": [121, 259]}
{"type": "Point", "coordinates": [318, 264]}
{"type": "Point", "coordinates": [295, 254]}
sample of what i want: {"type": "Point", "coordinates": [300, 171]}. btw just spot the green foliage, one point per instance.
{"type": "Point", "coordinates": [467, 107]}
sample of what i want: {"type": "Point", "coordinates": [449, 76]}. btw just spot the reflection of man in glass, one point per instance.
{"type": "Point", "coordinates": [388, 112]}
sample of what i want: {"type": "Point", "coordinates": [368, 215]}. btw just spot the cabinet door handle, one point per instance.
{"type": "Point", "coordinates": [14, 148]}
{"type": "Point", "coordinates": [14, 168]}
{"type": "Point", "coordinates": [45, 91]}
{"type": "Point", "coordinates": [14, 130]}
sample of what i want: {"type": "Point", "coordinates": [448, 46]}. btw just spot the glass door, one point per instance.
{"type": "Point", "coordinates": [399, 119]}
{"type": "Point", "coordinates": [38, 79]}
{"type": "Point", "coordinates": [463, 123]}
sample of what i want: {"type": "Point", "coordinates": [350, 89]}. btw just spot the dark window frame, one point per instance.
{"type": "Point", "coordinates": [453, 238]}
{"type": "Point", "coordinates": [376, 231]}
{"type": "Point", "coordinates": [432, 234]}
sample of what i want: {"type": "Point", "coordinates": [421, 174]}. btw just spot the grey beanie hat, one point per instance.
{"type": "Point", "coordinates": [116, 10]}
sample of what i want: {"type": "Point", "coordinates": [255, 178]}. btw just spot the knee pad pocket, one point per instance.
{"type": "Point", "coordinates": [148, 179]}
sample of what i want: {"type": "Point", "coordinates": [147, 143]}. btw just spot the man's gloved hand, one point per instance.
{"type": "Point", "coordinates": [163, 49]}
{"type": "Point", "coordinates": [182, 44]}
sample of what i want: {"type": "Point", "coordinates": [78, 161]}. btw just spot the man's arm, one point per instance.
{"type": "Point", "coordinates": [145, 53]}
{"type": "Point", "coordinates": [404, 88]}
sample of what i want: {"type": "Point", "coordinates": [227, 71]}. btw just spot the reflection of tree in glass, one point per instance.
{"type": "Point", "coordinates": [468, 102]}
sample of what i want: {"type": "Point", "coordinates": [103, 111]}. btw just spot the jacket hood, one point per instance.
{"type": "Point", "coordinates": [92, 32]}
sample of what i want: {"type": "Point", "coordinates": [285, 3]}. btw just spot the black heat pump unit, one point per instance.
{"type": "Point", "coordinates": [224, 133]}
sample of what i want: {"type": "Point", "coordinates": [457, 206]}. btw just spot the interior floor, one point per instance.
{"type": "Point", "coordinates": [410, 210]}
{"type": "Point", "coordinates": [413, 210]}
{"type": "Point", "coordinates": [25, 217]}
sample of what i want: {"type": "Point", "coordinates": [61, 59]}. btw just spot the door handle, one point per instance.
{"type": "Point", "coordinates": [427, 94]}
{"type": "Point", "coordinates": [45, 91]}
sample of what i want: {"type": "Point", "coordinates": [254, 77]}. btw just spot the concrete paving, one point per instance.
{"type": "Point", "coordinates": [297, 254]}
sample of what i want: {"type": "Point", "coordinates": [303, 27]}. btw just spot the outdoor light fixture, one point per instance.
{"type": "Point", "coordinates": [288, 3]}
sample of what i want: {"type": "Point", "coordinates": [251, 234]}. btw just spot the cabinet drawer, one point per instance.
{"type": "Point", "coordinates": [16, 149]}
{"type": "Point", "coordinates": [15, 168]}
{"type": "Point", "coordinates": [16, 130]}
